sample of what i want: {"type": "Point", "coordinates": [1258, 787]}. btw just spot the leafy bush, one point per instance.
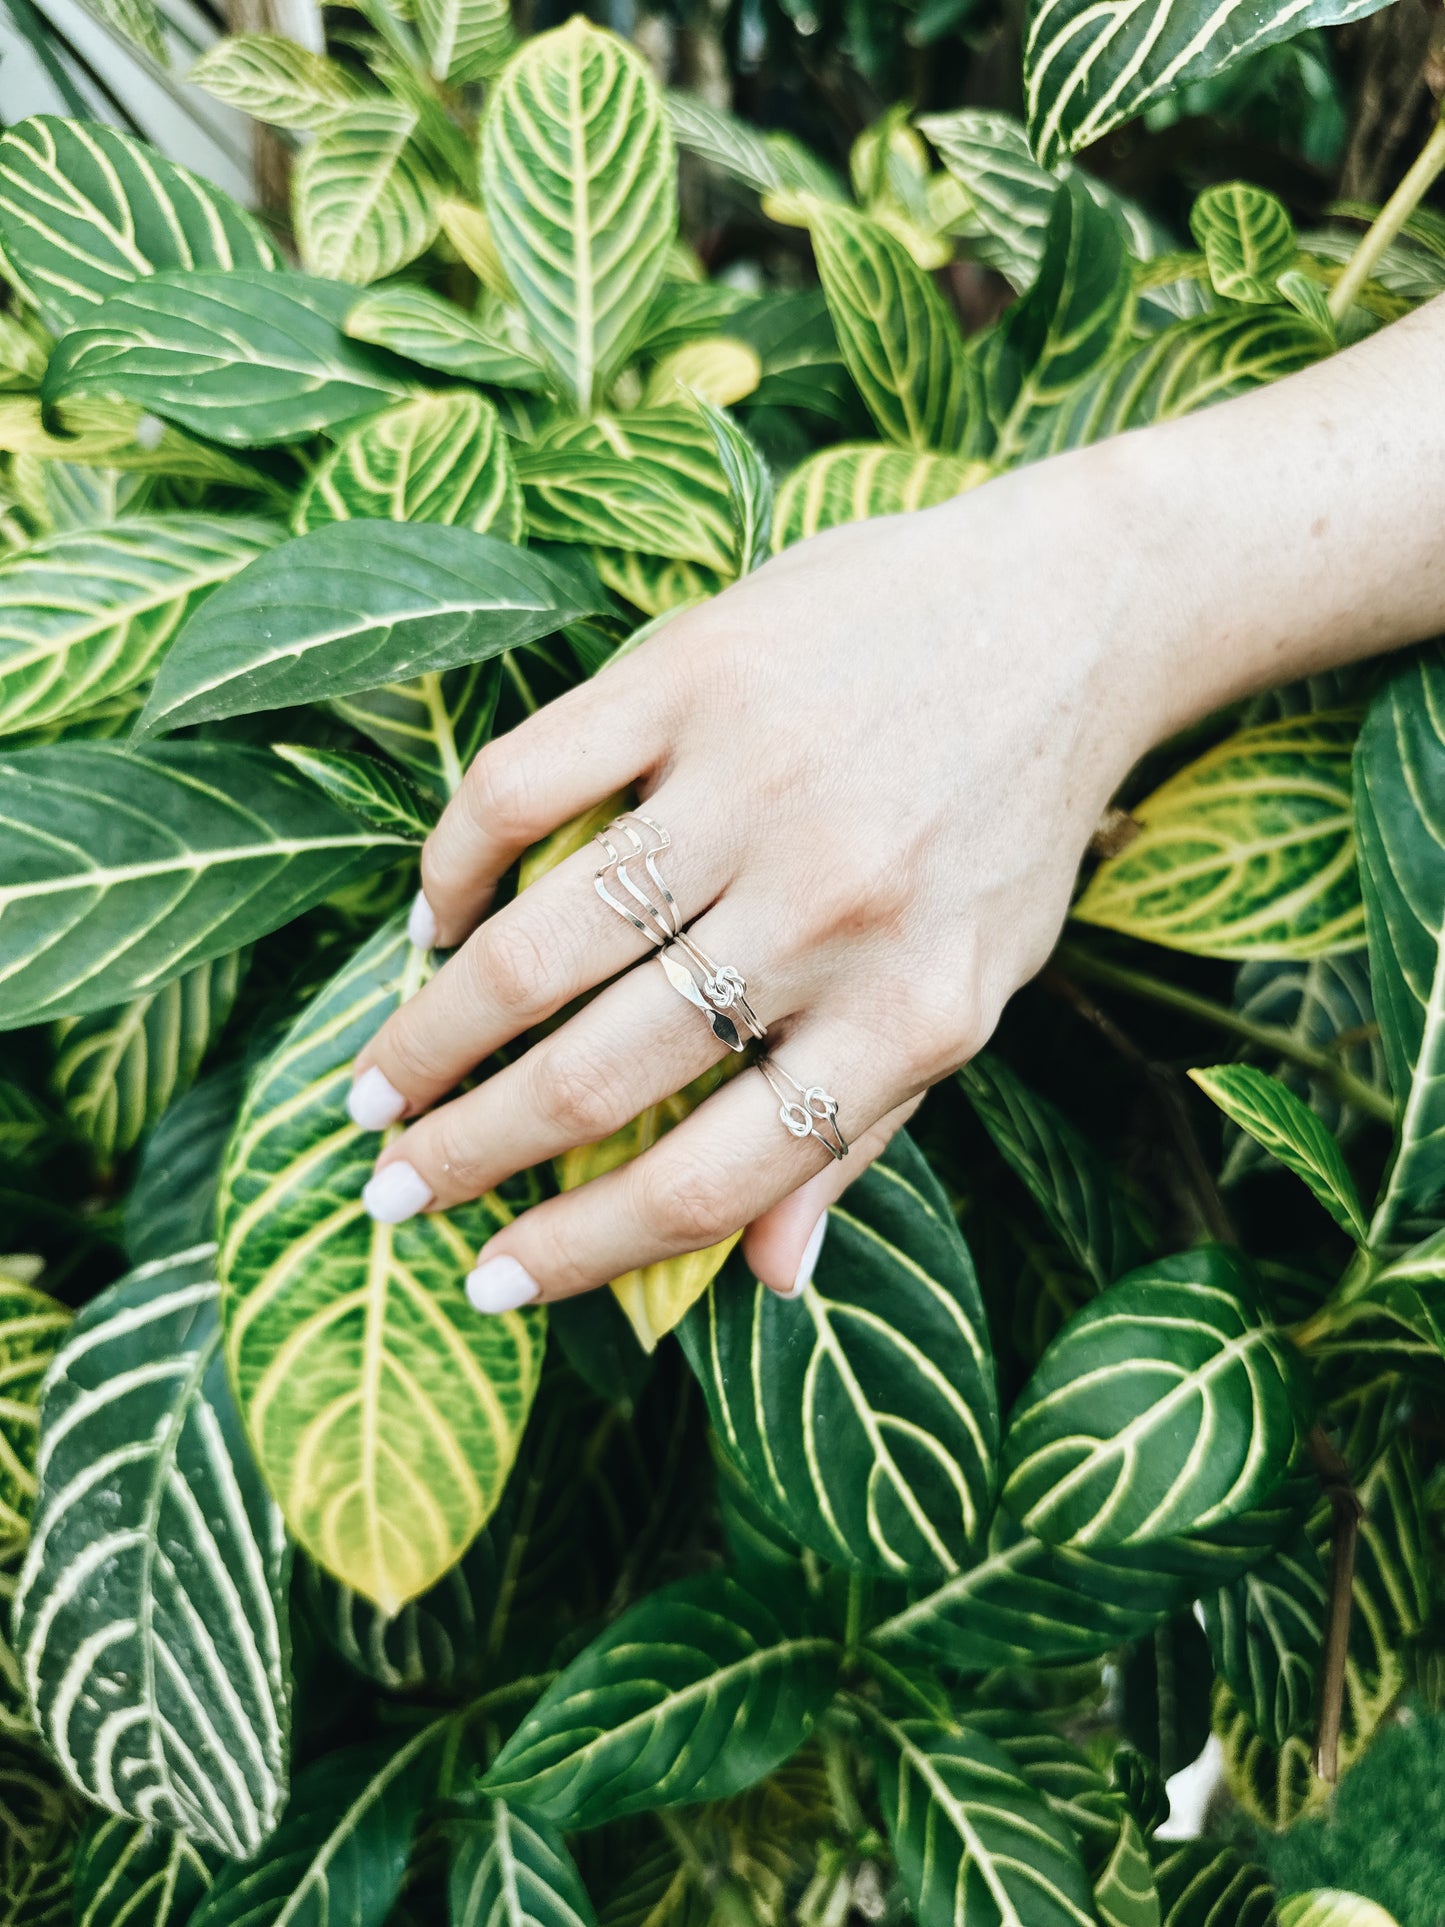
{"type": "Point", "coordinates": [333, 1600]}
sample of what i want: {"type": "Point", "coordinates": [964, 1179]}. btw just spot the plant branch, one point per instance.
{"type": "Point", "coordinates": [1269, 1037]}
{"type": "Point", "coordinates": [1389, 222]}
{"type": "Point", "coordinates": [1334, 1477]}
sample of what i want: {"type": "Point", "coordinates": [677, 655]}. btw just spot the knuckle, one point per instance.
{"type": "Point", "coordinates": [445, 1150]}
{"type": "Point", "coordinates": [685, 1205]}
{"type": "Point", "coordinates": [411, 1055]}
{"type": "Point", "coordinates": [510, 965]}
{"type": "Point", "coordinates": [577, 1094]}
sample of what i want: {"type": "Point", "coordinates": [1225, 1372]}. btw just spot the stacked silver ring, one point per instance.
{"type": "Point", "coordinates": [719, 991]}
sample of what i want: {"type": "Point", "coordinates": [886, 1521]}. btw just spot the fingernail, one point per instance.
{"type": "Point", "coordinates": [501, 1284]}
{"type": "Point", "coordinates": [808, 1263]}
{"type": "Point", "coordinates": [374, 1101]}
{"type": "Point", "coordinates": [397, 1192]}
{"type": "Point", "coordinates": [421, 923]}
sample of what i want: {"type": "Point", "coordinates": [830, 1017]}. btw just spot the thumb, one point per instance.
{"type": "Point", "coordinates": [782, 1246]}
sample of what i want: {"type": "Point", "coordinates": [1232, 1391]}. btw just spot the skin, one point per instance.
{"type": "Point", "coordinates": [881, 758]}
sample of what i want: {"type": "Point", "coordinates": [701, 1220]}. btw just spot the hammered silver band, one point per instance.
{"type": "Point", "coordinates": [805, 1110]}
{"type": "Point", "coordinates": [719, 991]}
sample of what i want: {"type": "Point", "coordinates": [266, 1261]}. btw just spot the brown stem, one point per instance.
{"type": "Point", "coordinates": [1334, 1477]}
{"type": "Point", "coordinates": [1166, 1087]}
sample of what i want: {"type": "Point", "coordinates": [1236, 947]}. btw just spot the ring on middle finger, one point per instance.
{"type": "Point", "coordinates": [719, 991]}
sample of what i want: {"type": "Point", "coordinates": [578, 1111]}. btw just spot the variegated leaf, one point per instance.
{"type": "Point", "coordinates": [856, 480]}
{"type": "Point", "coordinates": [116, 1070]}
{"type": "Point", "coordinates": [692, 1695]}
{"type": "Point", "coordinates": [578, 184]}
{"type": "Point", "coordinates": [384, 1412]}
{"type": "Point", "coordinates": [354, 605]}
{"type": "Point", "coordinates": [653, 583]}
{"type": "Point", "coordinates": [437, 458]}
{"type": "Point", "coordinates": [1402, 848]}
{"type": "Point", "coordinates": [1204, 1883]}
{"type": "Point", "coordinates": [365, 786]}
{"type": "Point", "coordinates": [130, 1875]}
{"type": "Point", "coordinates": [274, 79]}
{"type": "Point", "coordinates": [150, 1621]}
{"type": "Point", "coordinates": [511, 1868]}
{"type": "Point", "coordinates": [719, 369]}
{"type": "Point", "coordinates": [1247, 237]}
{"type": "Point", "coordinates": [864, 1413]}
{"type": "Point", "coordinates": [1087, 69]}
{"type": "Point", "coordinates": [900, 342]}
{"type": "Point", "coordinates": [432, 726]}
{"type": "Point", "coordinates": [115, 434]}
{"type": "Point", "coordinates": [1124, 1891]}
{"type": "Point", "coordinates": [364, 199]}
{"type": "Point", "coordinates": [172, 1201]}
{"type": "Point", "coordinates": [32, 1326]}
{"type": "Point", "coordinates": [973, 1840]}
{"type": "Point", "coordinates": [1266, 1632]}
{"type": "Point", "coordinates": [85, 615]}
{"type": "Point", "coordinates": [1289, 1130]}
{"type": "Point", "coordinates": [1249, 851]}
{"type": "Point", "coordinates": [435, 333]}
{"type": "Point", "coordinates": [120, 870]}
{"type": "Point", "coordinates": [1330, 1907]}
{"type": "Point", "coordinates": [464, 39]}
{"type": "Point", "coordinates": [649, 481]}
{"type": "Point", "coordinates": [244, 357]}
{"type": "Point", "coordinates": [1166, 1405]}
{"type": "Point", "coordinates": [85, 210]}
{"type": "Point", "coordinates": [37, 1842]}
{"type": "Point", "coordinates": [749, 484]}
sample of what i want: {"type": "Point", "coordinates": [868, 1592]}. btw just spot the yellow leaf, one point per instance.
{"type": "Point", "coordinates": [722, 370]}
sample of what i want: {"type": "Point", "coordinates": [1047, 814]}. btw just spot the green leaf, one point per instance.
{"type": "Point", "coordinates": [172, 1201]}
{"type": "Point", "coordinates": [1074, 316]}
{"type": "Point", "coordinates": [436, 458]}
{"type": "Point", "coordinates": [121, 870]}
{"type": "Point", "coordinates": [749, 485]}
{"type": "Point", "coordinates": [1290, 1131]}
{"type": "Point", "coordinates": [341, 1849]}
{"type": "Point", "coordinates": [855, 480]}
{"type": "Point", "coordinates": [1247, 237]}
{"type": "Point", "coordinates": [578, 181]}
{"type": "Point", "coordinates": [437, 334]}
{"type": "Point", "coordinates": [973, 1840]}
{"type": "Point", "coordinates": [151, 1616]}
{"type": "Point", "coordinates": [1329, 1907]}
{"type": "Point", "coordinates": [1249, 851]}
{"type": "Point", "coordinates": [354, 605]}
{"type": "Point", "coordinates": [85, 210]}
{"type": "Point", "coordinates": [434, 726]}
{"type": "Point", "coordinates": [368, 788]}
{"type": "Point", "coordinates": [37, 1842]}
{"type": "Point", "coordinates": [1166, 1405]}
{"type": "Point", "coordinates": [1203, 1883]}
{"type": "Point", "coordinates": [649, 481]}
{"type": "Point", "coordinates": [365, 200]}
{"type": "Point", "coordinates": [1084, 1203]}
{"type": "Point", "coordinates": [863, 1414]}
{"type": "Point", "coordinates": [86, 614]}
{"type": "Point", "coordinates": [1087, 70]}
{"type": "Point", "coordinates": [384, 1412]}
{"type": "Point", "coordinates": [129, 1875]}
{"type": "Point", "coordinates": [692, 1695]}
{"type": "Point", "coordinates": [117, 1070]}
{"type": "Point", "coordinates": [900, 342]}
{"type": "Point", "coordinates": [1124, 1891]}
{"type": "Point", "coordinates": [271, 78]}
{"type": "Point", "coordinates": [464, 39]}
{"type": "Point", "coordinates": [117, 435]}
{"type": "Point", "coordinates": [1182, 368]}
{"type": "Point", "coordinates": [1402, 848]}
{"type": "Point", "coordinates": [32, 1326]}
{"type": "Point", "coordinates": [247, 358]}
{"type": "Point", "coordinates": [731, 144]}
{"type": "Point", "coordinates": [1266, 1632]}
{"type": "Point", "coordinates": [511, 1868]}
{"type": "Point", "coordinates": [1164, 1692]}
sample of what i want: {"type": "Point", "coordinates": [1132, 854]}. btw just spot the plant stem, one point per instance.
{"type": "Point", "coordinates": [836, 1765]}
{"type": "Point", "coordinates": [1270, 1037]}
{"type": "Point", "coordinates": [859, 1595]}
{"type": "Point", "coordinates": [1334, 1477]}
{"type": "Point", "coordinates": [1388, 223]}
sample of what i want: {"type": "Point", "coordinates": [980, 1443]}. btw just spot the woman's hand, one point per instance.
{"type": "Point", "coordinates": [879, 759]}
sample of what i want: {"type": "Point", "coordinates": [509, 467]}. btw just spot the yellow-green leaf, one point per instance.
{"type": "Point", "coordinates": [1329, 1907]}
{"type": "Point", "coordinates": [856, 480]}
{"type": "Point", "coordinates": [1247, 238]}
{"type": "Point", "coordinates": [1248, 852]}
{"type": "Point", "coordinates": [32, 1325]}
{"type": "Point", "coordinates": [435, 458]}
{"type": "Point", "coordinates": [720, 369]}
{"type": "Point", "coordinates": [363, 198]}
{"type": "Point", "coordinates": [1290, 1131]}
{"type": "Point", "coordinates": [274, 79]}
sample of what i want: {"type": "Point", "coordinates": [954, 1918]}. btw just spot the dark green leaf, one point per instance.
{"type": "Point", "coordinates": [129, 1875]}
{"type": "Point", "coordinates": [511, 1868]}
{"type": "Point", "coordinates": [1203, 1883]}
{"type": "Point", "coordinates": [1290, 1131]}
{"type": "Point", "coordinates": [1266, 1632]}
{"type": "Point", "coordinates": [369, 788]}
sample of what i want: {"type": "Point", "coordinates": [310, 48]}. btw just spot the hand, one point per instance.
{"type": "Point", "coordinates": [880, 759]}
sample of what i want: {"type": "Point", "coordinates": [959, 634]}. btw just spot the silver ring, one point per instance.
{"type": "Point", "coordinates": [718, 990]}
{"type": "Point", "coordinates": [805, 1111]}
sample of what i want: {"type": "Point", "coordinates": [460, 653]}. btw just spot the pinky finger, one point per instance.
{"type": "Point", "coordinates": [782, 1246]}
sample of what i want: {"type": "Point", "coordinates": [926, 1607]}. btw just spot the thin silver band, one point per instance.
{"type": "Point", "coordinates": [805, 1111]}
{"type": "Point", "coordinates": [718, 991]}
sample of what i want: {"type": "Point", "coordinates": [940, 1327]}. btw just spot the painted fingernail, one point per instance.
{"type": "Point", "coordinates": [808, 1263]}
{"type": "Point", "coordinates": [374, 1101]}
{"type": "Point", "coordinates": [421, 923]}
{"type": "Point", "coordinates": [397, 1192]}
{"type": "Point", "coordinates": [500, 1284]}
